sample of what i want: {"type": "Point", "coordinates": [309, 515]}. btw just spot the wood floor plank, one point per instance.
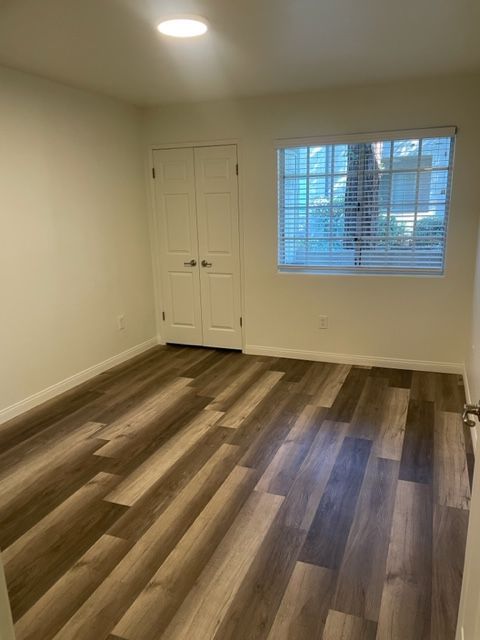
{"type": "Point", "coordinates": [368, 415]}
{"type": "Point", "coordinates": [304, 608]}
{"type": "Point", "coordinates": [293, 369]}
{"type": "Point", "coordinates": [134, 379]}
{"type": "Point", "coordinates": [155, 606]}
{"type": "Point", "coordinates": [281, 472]}
{"type": "Point", "coordinates": [22, 428]}
{"type": "Point", "coordinates": [275, 409]}
{"type": "Point", "coordinates": [212, 383]}
{"type": "Point", "coordinates": [389, 439]}
{"type": "Point", "coordinates": [115, 405]}
{"type": "Point", "coordinates": [405, 608]}
{"type": "Point", "coordinates": [190, 357]}
{"type": "Point", "coordinates": [210, 462]}
{"type": "Point", "coordinates": [449, 392]}
{"type": "Point", "coordinates": [123, 455]}
{"type": "Point", "coordinates": [252, 611]}
{"type": "Point", "coordinates": [341, 626]}
{"type": "Point", "coordinates": [237, 387]}
{"type": "Point", "coordinates": [158, 465]}
{"type": "Point", "coordinates": [121, 373]}
{"type": "Point", "coordinates": [346, 401]}
{"type": "Point", "coordinates": [50, 435]}
{"type": "Point", "coordinates": [49, 489]}
{"type": "Point", "coordinates": [18, 478]}
{"type": "Point", "coordinates": [150, 409]}
{"type": "Point", "coordinates": [313, 378]}
{"type": "Point", "coordinates": [202, 611]}
{"type": "Point", "coordinates": [247, 403]}
{"type": "Point", "coordinates": [397, 378]}
{"type": "Point", "coordinates": [200, 368]}
{"type": "Point", "coordinates": [416, 463]}
{"type": "Point", "coordinates": [449, 538]}
{"type": "Point", "coordinates": [451, 483]}
{"type": "Point", "coordinates": [329, 384]}
{"type": "Point", "coordinates": [423, 386]}
{"type": "Point", "coordinates": [59, 603]}
{"type": "Point", "coordinates": [330, 528]}
{"type": "Point", "coordinates": [302, 501]}
{"type": "Point", "coordinates": [35, 561]}
{"type": "Point", "coordinates": [266, 428]}
{"type": "Point", "coordinates": [104, 608]}
{"type": "Point", "coordinates": [362, 572]}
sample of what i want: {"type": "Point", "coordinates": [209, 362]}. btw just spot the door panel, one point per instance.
{"type": "Point", "coordinates": [218, 240]}
{"type": "Point", "coordinates": [177, 220]}
{"type": "Point", "coordinates": [220, 293]}
{"type": "Point", "coordinates": [177, 226]}
{"type": "Point", "coordinates": [182, 290]}
{"type": "Point", "coordinates": [218, 225]}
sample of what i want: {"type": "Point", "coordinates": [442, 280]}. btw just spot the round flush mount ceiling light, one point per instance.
{"type": "Point", "coordinates": [183, 27]}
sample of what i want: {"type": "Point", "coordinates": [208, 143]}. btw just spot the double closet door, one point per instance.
{"type": "Point", "coordinates": [197, 219]}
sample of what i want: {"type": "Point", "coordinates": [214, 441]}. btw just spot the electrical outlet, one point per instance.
{"type": "Point", "coordinates": [323, 322]}
{"type": "Point", "coordinates": [121, 322]}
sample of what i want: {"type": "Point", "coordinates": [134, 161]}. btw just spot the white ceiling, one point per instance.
{"type": "Point", "coordinates": [253, 46]}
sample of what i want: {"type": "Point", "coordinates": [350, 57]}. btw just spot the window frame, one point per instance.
{"type": "Point", "coordinates": [352, 138]}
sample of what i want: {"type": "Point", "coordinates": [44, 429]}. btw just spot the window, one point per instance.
{"type": "Point", "coordinates": [372, 203]}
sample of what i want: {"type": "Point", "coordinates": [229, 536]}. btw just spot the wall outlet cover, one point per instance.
{"type": "Point", "coordinates": [323, 322]}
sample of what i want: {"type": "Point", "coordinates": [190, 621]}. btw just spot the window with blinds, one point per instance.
{"type": "Point", "coordinates": [374, 203]}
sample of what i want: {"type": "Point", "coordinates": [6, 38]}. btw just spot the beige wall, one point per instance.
{"type": "Point", "coordinates": [74, 246]}
{"type": "Point", "coordinates": [420, 319]}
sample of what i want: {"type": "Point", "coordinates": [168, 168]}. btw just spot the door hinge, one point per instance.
{"type": "Point", "coordinates": [241, 321]}
{"type": "Point", "coordinates": [153, 173]}
{"type": "Point", "coordinates": [236, 168]}
{"type": "Point", "coordinates": [163, 316]}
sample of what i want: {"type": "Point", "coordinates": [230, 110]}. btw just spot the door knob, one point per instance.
{"type": "Point", "coordinates": [206, 264]}
{"type": "Point", "coordinates": [192, 263]}
{"type": "Point", "coordinates": [470, 409]}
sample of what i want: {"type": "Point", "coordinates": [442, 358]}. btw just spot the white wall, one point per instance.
{"type": "Point", "coordinates": [418, 319]}
{"type": "Point", "coordinates": [74, 245]}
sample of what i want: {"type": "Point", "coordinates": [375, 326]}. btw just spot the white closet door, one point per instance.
{"type": "Point", "coordinates": [218, 240]}
{"type": "Point", "coordinates": [177, 225]}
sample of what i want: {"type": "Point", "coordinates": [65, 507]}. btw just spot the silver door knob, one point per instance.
{"type": "Point", "coordinates": [206, 264]}
{"type": "Point", "coordinates": [192, 263]}
{"type": "Point", "coordinates": [469, 409]}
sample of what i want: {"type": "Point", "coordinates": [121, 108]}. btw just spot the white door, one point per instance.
{"type": "Point", "coordinates": [197, 218]}
{"type": "Point", "coordinates": [468, 627]}
{"type": "Point", "coordinates": [177, 226]}
{"type": "Point", "coordinates": [218, 243]}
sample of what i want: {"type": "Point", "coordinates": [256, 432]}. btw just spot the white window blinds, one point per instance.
{"type": "Point", "coordinates": [373, 204]}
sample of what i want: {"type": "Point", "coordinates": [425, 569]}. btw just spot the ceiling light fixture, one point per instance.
{"type": "Point", "coordinates": [183, 27]}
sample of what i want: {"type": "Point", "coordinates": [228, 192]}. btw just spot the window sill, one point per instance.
{"type": "Point", "coordinates": [282, 270]}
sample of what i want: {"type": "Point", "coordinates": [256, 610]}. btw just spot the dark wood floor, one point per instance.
{"type": "Point", "coordinates": [200, 494]}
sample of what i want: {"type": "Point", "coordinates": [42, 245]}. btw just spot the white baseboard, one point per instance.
{"type": "Point", "coordinates": [468, 397]}
{"type": "Point", "coordinates": [82, 376]}
{"type": "Point", "coordinates": [348, 358]}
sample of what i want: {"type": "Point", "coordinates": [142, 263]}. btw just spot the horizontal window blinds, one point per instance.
{"type": "Point", "coordinates": [378, 206]}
